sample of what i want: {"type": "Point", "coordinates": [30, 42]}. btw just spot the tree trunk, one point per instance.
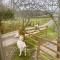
{"type": "Point", "coordinates": [58, 42]}
{"type": "Point", "coordinates": [1, 46]}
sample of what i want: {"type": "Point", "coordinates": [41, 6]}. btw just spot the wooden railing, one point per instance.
{"type": "Point", "coordinates": [44, 51]}
{"type": "Point", "coordinates": [48, 50]}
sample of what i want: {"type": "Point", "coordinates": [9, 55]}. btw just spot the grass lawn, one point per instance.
{"type": "Point", "coordinates": [30, 51]}
{"type": "Point", "coordinates": [22, 57]}
{"type": "Point", "coordinates": [17, 57]}
{"type": "Point", "coordinates": [49, 33]}
{"type": "Point", "coordinates": [39, 21]}
{"type": "Point", "coordinates": [31, 43]}
{"type": "Point", "coordinates": [11, 25]}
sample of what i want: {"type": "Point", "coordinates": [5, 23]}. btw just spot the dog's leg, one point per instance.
{"type": "Point", "coordinates": [25, 51]}
{"type": "Point", "coordinates": [20, 52]}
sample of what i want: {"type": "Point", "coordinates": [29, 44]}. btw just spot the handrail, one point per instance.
{"type": "Point", "coordinates": [47, 40]}
{"type": "Point", "coordinates": [47, 53]}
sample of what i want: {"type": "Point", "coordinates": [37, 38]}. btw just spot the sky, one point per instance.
{"type": "Point", "coordinates": [6, 2]}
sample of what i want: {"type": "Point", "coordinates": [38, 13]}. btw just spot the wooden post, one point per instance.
{"type": "Point", "coordinates": [58, 41]}
{"type": "Point", "coordinates": [1, 46]}
{"type": "Point", "coordinates": [38, 49]}
{"type": "Point", "coordinates": [1, 49]}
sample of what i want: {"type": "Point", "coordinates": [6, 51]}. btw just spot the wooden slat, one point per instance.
{"type": "Point", "coordinates": [44, 39]}
{"type": "Point", "coordinates": [51, 49]}
{"type": "Point", "coordinates": [48, 54]}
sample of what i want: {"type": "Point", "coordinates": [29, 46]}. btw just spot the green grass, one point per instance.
{"type": "Point", "coordinates": [30, 41]}
{"type": "Point", "coordinates": [22, 57]}
{"type": "Point", "coordinates": [17, 57]}
{"type": "Point", "coordinates": [51, 34]}
{"type": "Point", "coordinates": [39, 21]}
{"type": "Point", "coordinates": [11, 25]}
{"type": "Point", "coordinates": [30, 51]}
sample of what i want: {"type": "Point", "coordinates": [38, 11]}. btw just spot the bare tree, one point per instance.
{"type": "Point", "coordinates": [45, 6]}
{"type": "Point", "coordinates": [58, 42]}
{"type": "Point", "coordinates": [25, 9]}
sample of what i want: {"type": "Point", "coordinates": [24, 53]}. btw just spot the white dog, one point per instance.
{"type": "Point", "coordinates": [21, 45]}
